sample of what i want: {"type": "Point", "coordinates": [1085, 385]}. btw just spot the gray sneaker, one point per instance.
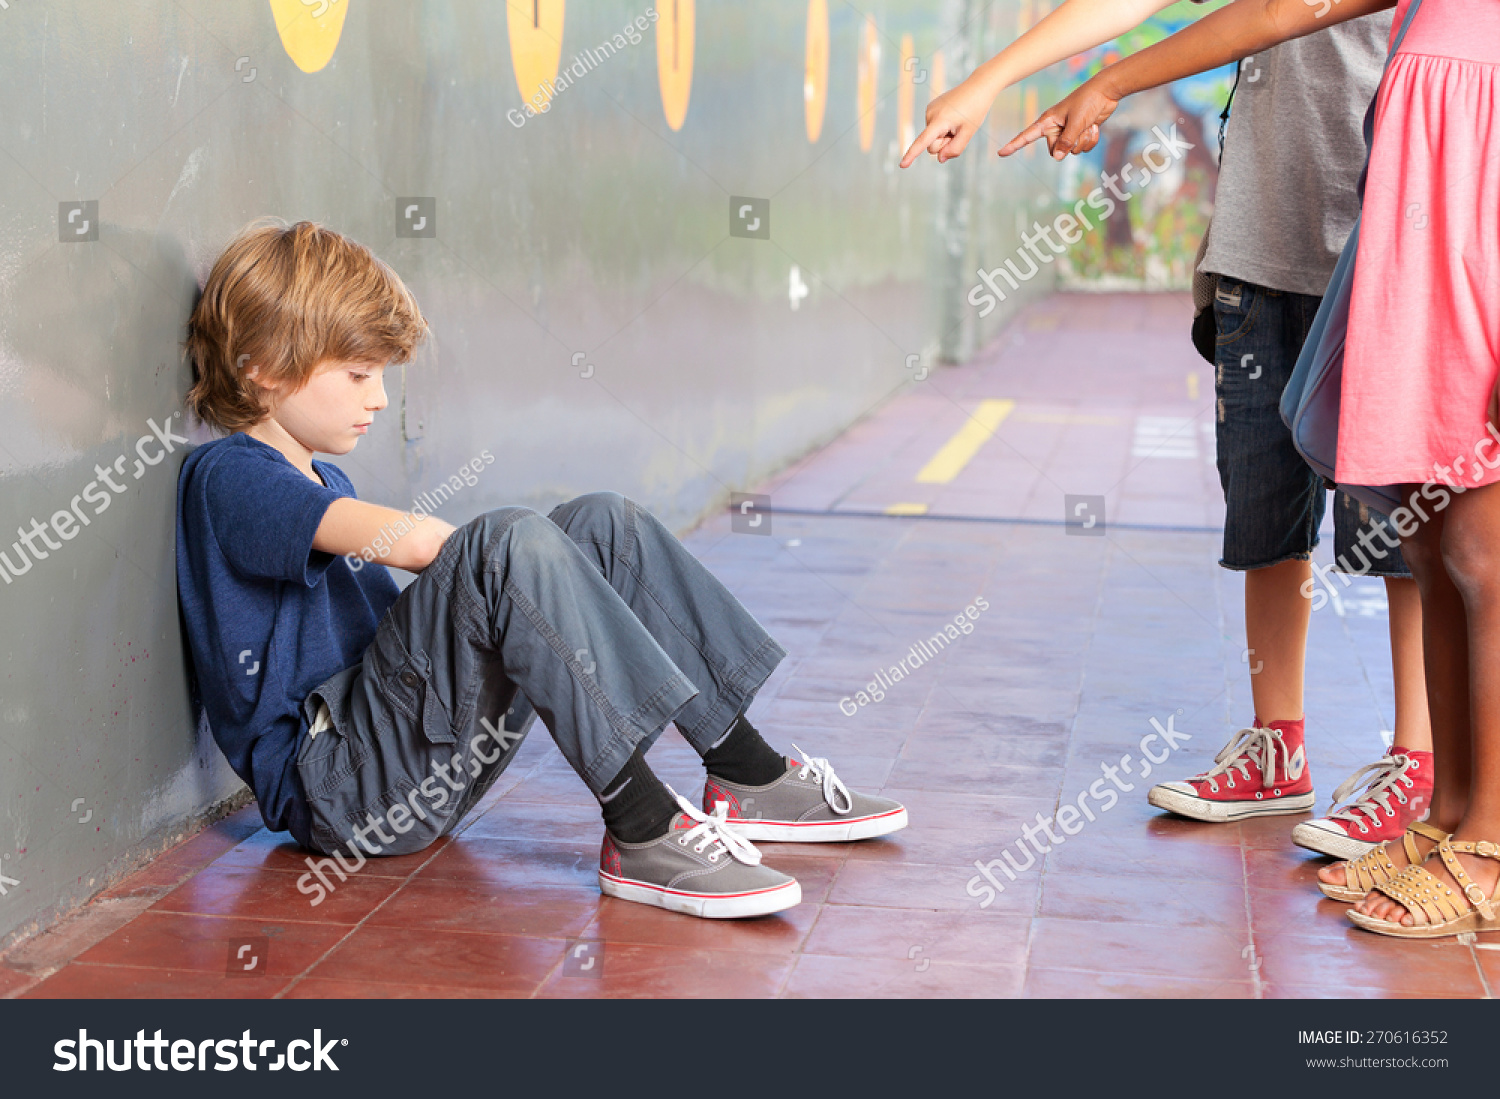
{"type": "Point", "coordinates": [808, 804]}
{"type": "Point", "coordinates": [698, 867]}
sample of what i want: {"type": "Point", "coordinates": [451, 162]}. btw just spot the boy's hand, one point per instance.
{"type": "Point", "coordinates": [953, 118]}
{"type": "Point", "coordinates": [1072, 126]}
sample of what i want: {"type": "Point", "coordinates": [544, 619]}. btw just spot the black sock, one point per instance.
{"type": "Point", "coordinates": [637, 807]}
{"type": "Point", "coordinates": [742, 757]}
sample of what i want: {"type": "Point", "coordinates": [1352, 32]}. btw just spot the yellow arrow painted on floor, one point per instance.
{"type": "Point", "coordinates": [948, 462]}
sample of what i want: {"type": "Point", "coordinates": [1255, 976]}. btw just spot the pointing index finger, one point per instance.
{"type": "Point", "coordinates": [928, 135]}
{"type": "Point", "coordinates": [1034, 132]}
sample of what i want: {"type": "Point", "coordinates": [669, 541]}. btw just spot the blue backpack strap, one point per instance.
{"type": "Point", "coordinates": [1370, 112]}
{"type": "Point", "coordinates": [1310, 401]}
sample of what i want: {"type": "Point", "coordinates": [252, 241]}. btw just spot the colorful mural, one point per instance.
{"type": "Point", "coordinates": [1151, 241]}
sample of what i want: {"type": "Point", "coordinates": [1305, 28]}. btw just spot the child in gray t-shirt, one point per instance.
{"type": "Point", "coordinates": [1284, 206]}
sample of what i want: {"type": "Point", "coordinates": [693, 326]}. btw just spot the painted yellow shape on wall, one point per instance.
{"type": "Point", "coordinates": [674, 59]}
{"type": "Point", "coordinates": [309, 31]}
{"type": "Point", "coordinates": [815, 75]}
{"type": "Point", "coordinates": [536, 34]}
{"type": "Point", "coordinates": [869, 80]}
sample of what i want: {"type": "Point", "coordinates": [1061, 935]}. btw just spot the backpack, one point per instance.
{"type": "Point", "coordinates": [1310, 402]}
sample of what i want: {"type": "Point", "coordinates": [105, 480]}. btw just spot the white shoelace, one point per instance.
{"type": "Point", "coordinates": [1386, 777]}
{"type": "Point", "coordinates": [711, 833]}
{"type": "Point", "coordinates": [820, 770]}
{"type": "Point", "coordinates": [1258, 746]}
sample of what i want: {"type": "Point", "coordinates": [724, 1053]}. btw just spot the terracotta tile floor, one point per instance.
{"type": "Point", "coordinates": [1086, 640]}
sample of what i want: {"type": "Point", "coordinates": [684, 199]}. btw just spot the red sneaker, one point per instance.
{"type": "Point", "coordinates": [1397, 791]}
{"type": "Point", "coordinates": [1235, 788]}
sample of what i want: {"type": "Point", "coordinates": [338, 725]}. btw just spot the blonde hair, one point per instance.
{"type": "Point", "coordinates": [285, 299]}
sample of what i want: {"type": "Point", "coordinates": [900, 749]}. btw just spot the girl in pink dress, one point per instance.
{"type": "Point", "coordinates": [1419, 404]}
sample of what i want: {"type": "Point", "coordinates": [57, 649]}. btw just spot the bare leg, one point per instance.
{"type": "Point", "coordinates": [1445, 646]}
{"type": "Point", "coordinates": [1276, 618]}
{"type": "Point", "coordinates": [1413, 722]}
{"type": "Point", "coordinates": [1416, 716]}
{"type": "Point", "coordinates": [1457, 566]}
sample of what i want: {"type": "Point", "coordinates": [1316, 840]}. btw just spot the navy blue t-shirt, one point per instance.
{"type": "Point", "coordinates": [268, 617]}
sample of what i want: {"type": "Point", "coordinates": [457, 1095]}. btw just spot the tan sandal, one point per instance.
{"type": "Point", "coordinates": [1417, 890]}
{"type": "Point", "coordinates": [1375, 867]}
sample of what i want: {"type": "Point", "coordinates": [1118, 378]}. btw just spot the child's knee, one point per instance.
{"type": "Point", "coordinates": [1472, 561]}
{"type": "Point", "coordinates": [519, 532]}
{"type": "Point", "coordinates": [491, 526]}
{"type": "Point", "coordinates": [1423, 554]}
{"type": "Point", "coordinates": [593, 513]}
{"type": "Point", "coordinates": [491, 533]}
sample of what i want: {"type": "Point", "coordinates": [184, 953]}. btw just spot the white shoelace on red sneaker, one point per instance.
{"type": "Point", "coordinates": [1383, 778]}
{"type": "Point", "coordinates": [820, 770]}
{"type": "Point", "coordinates": [711, 833]}
{"type": "Point", "coordinates": [1250, 745]}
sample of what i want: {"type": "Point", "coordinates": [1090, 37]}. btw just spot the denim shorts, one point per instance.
{"type": "Point", "coordinates": [1274, 501]}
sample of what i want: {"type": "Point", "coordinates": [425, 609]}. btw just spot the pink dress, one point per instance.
{"type": "Point", "coordinates": [1423, 350]}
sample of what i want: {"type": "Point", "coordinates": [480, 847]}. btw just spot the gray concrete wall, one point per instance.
{"type": "Point", "coordinates": [596, 323]}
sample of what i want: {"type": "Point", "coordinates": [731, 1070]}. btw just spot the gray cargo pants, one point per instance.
{"type": "Point", "coordinates": [595, 618]}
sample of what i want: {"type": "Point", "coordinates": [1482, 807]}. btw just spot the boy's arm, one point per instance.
{"type": "Point", "coordinates": [954, 117]}
{"type": "Point", "coordinates": [1229, 34]}
{"type": "Point", "coordinates": [352, 526]}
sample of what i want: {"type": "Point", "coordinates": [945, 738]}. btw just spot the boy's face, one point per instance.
{"type": "Point", "coordinates": [334, 409]}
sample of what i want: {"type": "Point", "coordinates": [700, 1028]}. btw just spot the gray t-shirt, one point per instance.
{"type": "Point", "coordinates": [1292, 153]}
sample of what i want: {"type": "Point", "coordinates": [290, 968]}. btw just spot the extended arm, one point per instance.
{"type": "Point", "coordinates": [1229, 34]}
{"type": "Point", "coordinates": [955, 116]}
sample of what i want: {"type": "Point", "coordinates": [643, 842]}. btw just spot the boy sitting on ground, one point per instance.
{"type": "Point", "coordinates": [375, 719]}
